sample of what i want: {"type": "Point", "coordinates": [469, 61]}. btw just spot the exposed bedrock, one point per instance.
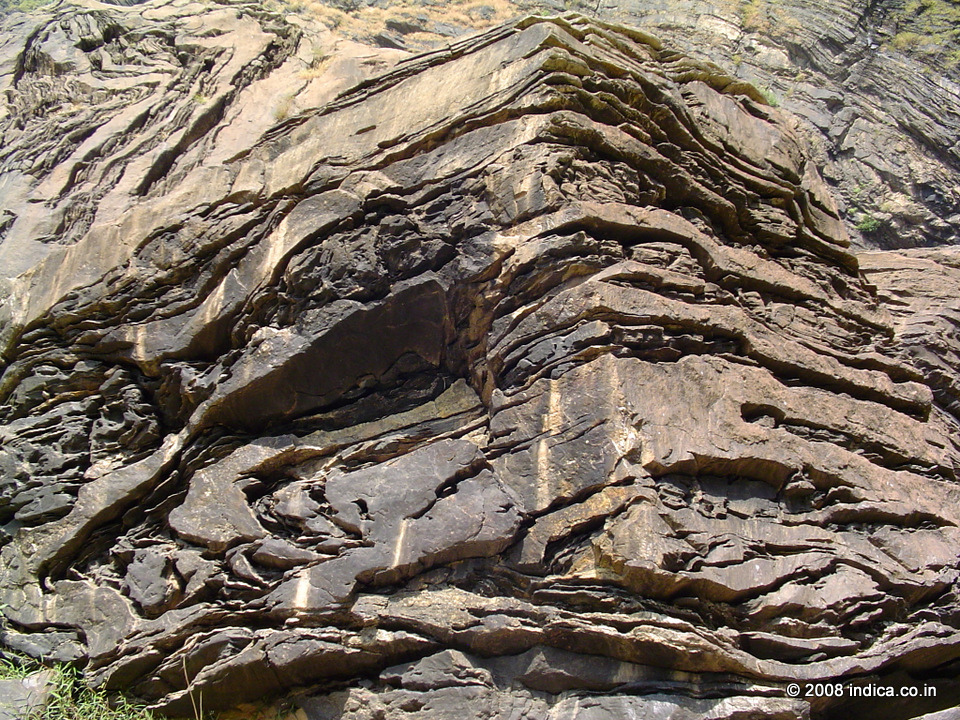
{"type": "Point", "coordinates": [531, 377]}
{"type": "Point", "coordinates": [883, 123]}
{"type": "Point", "coordinates": [876, 83]}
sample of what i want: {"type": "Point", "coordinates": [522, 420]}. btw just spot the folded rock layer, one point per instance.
{"type": "Point", "coordinates": [529, 377]}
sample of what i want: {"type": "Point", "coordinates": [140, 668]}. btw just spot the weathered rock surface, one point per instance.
{"type": "Point", "coordinates": [883, 122]}
{"type": "Point", "coordinates": [531, 377]}
{"type": "Point", "coordinates": [876, 83]}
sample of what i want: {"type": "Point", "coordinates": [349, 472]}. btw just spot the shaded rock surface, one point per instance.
{"type": "Point", "coordinates": [530, 377]}
{"type": "Point", "coordinates": [883, 120]}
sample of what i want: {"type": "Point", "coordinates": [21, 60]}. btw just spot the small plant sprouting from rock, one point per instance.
{"type": "Point", "coordinates": [754, 16]}
{"type": "Point", "coordinates": [284, 108]}
{"type": "Point", "coordinates": [864, 202]}
{"type": "Point", "coordinates": [869, 223]}
{"type": "Point", "coordinates": [769, 96]}
{"type": "Point", "coordinates": [318, 64]}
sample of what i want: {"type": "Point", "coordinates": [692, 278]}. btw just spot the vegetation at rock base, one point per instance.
{"type": "Point", "coordinates": [71, 698]}
{"type": "Point", "coordinates": [929, 29]}
{"type": "Point", "coordinates": [9, 6]}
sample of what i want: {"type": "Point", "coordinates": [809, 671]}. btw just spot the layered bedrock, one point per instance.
{"type": "Point", "coordinates": [529, 377]}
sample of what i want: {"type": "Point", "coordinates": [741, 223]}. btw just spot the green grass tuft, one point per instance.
{"type": "Point", "coordinates": [769, 96]}
{"type": "Point", "coordinates": [71, 698]}
{"type": "Point", "coordinates": [868, 223]}
{"type": "Point", "coordinates": [10, 6]}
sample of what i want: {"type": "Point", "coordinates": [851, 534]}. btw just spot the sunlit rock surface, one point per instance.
{"type": "Point", "coordinates": [531, 377]}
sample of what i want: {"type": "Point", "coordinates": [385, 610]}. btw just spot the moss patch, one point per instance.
{"type": "Point", "coordinates": [929, 29]}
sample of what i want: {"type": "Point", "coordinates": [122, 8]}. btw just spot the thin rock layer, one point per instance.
{"type": "Point", "coordinates": [532, 377]}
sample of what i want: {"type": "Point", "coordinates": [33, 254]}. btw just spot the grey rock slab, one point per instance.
{"type": "Point", "coordinates": [407, 521]}
{"type": "Point", "coordinates": [21, 698]}
{"type": "Point", "coordinates": [449, 668]}
{"type": "Point", "coordinates": [949, 714]}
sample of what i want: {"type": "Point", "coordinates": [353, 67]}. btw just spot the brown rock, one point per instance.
{"type": "Point", "coordinates": [530, 376]}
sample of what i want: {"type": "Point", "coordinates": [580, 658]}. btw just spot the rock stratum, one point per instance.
{"type": "Point", "coordinates": [876, 83]}
{"type": "Point", "coordinates": [529, 377]}
{"type": "Point", "coordinates": [879, 104]}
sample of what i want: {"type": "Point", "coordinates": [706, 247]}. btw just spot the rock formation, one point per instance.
{"type": "Point", "coordinates": [883, 121]}
{"type": "Point", "coordinates": [529, 377]}
{"type": "Point", "coordinates": [876, 83]}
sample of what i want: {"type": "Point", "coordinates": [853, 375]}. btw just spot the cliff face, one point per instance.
{"type": "Point", "coordinates": [533, 375]}
{"type": "Point", "coordinates": [874, 81]}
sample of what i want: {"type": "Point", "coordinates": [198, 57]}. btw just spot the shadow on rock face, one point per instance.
{"type": "Point", "coordinates": [533, 375]}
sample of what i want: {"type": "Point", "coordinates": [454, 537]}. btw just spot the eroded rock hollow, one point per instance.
{"type": "Point", "coordinates": [530, 377]}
